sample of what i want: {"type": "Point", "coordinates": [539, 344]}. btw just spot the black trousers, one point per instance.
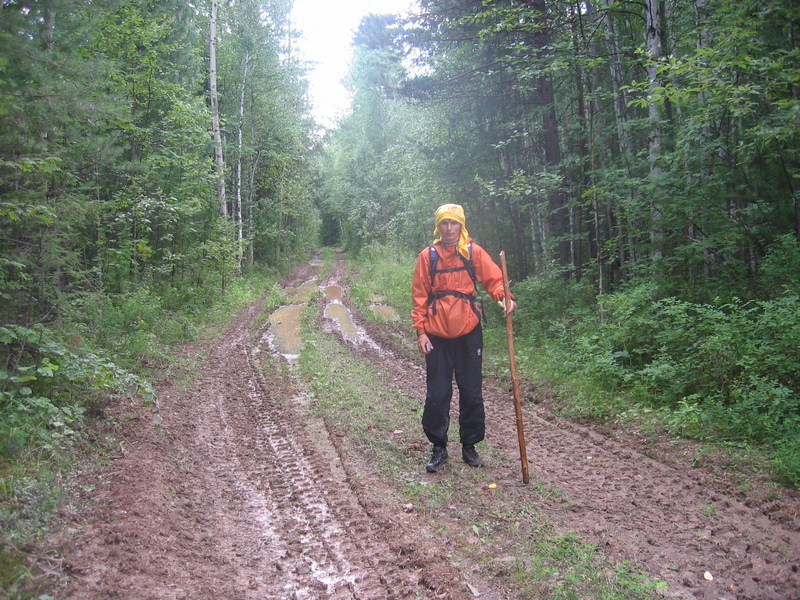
{"type": "Point", "coordinates": [461, 356]}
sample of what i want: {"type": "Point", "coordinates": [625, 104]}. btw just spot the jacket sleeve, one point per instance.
{"type": "Point", "coordinates": [488, 273]}
{"type": "Point", "coordinates": [420, 289]}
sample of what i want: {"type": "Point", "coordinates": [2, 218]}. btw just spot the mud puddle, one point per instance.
{"type": "Point", "coordinates": [382, 311]}
{"type": "Point", "coordinates": [284, 335]}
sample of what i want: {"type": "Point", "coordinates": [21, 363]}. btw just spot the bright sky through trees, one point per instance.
{"type": "Point", "coordinates": [327, 29]}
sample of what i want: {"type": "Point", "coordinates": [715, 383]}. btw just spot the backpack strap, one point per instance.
{"type": "Point", "coordinates": [468, 266]}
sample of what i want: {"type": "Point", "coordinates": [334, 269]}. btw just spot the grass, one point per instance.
{"type": "Point", "coordinates": [385, 272]}
{"type": "Point", "coordinates": [32, 488]}
{"type": "Point", "coordinates": [15, 575]}
{"type": "Point", "coordinates": [500, 534]}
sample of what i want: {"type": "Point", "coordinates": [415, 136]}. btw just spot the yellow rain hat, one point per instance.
{"type": "Point", "coordinates": [454, 212]}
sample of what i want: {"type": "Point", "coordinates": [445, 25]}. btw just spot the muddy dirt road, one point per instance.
{"type": "Point", "coordinates": [241, 493]}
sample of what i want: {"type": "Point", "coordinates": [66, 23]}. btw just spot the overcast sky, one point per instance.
{"type": "Point", "coordinates": [327, 28]}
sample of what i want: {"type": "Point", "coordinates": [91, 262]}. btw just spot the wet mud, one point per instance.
{"type": "Point", "coordinates": [242, 493]}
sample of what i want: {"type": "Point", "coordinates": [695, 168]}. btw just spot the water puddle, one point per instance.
{"type": "Point", "coordinates": [341, 314]}
{"type": "Point", "coordinates": [284, 336]}
{"type": "Point", "coordinates": [333, 292]}
{"type": "Point", "coordinates": [303, 293]}
{"type": "Point", "coordinates": [382, 311]}
{"type": "Point", "coordinates": [285, 327]}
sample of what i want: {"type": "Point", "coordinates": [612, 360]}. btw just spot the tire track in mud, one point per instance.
{"type": "Point", "coordinates": [242, 497]}
{"type": "Point", "coordinates": [672, 521]}
{"type": "Point", "coordinates": [320, 543]}
{"type": "Point", "coordinates": [315, 504]}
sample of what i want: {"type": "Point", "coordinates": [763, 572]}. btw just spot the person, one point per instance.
{"type": "Point", "coordinates": [449, 333]}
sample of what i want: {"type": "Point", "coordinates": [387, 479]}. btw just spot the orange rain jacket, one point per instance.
{"type": "Point", "coordinates": [454, 316]}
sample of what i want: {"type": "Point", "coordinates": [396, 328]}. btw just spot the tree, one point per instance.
{"type": "Point", "coordinates": [214, 99]}
{"type": "Point", "coordinates": [363, 189]}
{"type": "Point", "coordinates": [637, 135]}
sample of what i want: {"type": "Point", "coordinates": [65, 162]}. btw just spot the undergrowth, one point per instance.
{"type": "Point", "coordinates": [723, 372]}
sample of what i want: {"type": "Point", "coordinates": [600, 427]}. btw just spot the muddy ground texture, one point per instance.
{"type": "Point", "coordinates": [234, 490]}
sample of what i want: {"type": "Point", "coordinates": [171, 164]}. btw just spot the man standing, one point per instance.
{"type": "Point", "coordinates": [448, 324]}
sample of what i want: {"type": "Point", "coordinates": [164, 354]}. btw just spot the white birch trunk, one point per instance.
{"type": "Point", "coordinates": [215, 125]}
{"type": "Point", "coordinates": [240, 144]}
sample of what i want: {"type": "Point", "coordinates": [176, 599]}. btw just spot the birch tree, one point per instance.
{"type": "Point", "coordinates": [219, 158]}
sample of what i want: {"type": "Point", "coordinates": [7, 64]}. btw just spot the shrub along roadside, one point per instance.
{"type": "Point", "coordinates": [725, 372]}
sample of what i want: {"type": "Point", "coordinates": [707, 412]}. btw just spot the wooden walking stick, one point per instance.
{"type": "Point", "coordinates": [523, 454]}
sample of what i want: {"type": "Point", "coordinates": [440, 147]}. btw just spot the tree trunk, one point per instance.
{"type": "Point", "coordinates": [240, 237]}
{"type": "Point", "coordinates": [653, 42]}
{"type": "Point", "coordinates": [579, 41]}
{"type": "Point", "coordinates": [47, 30]}
{"type": "Point", "coordinates": [703, 42]}
{"type": "Point", "coordinates": [250, 222]}
{"type": "Point", "coordinates": [552, 148]}
{"type": "Point", "coordinates": [617, 81]}
{"type": "Point", "coordinates": [47, 36]}
{"type": "Point", "coordinates": [624, 138]}
{"type": "Point", "coordinates": [215, 126]}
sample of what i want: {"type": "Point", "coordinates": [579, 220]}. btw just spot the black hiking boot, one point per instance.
{"type": "Point", "coordinates": [438, 458]}
{"type": "Point", "coordinates": [471, 456]}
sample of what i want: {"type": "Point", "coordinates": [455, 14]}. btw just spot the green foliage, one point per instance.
{"type": "Point", "coordinates": [46, 387]}
{"type": "Point", "coordinates": [29, 499]}
{"type": "Point", "coordinates": [388, 272]}
{"type": "Point", "coordinates": [787, 458]}
{"type": "Point", "coordinates": [10, 564]}
{"type": "Point", "coordinates": [544, 301]}
{"type": "Point", "coordinates": [780, 269]}
{"type": "Point", "coordinates": [374, 172]}
{"type": "Point", "coordinates": [725, 371]}
{"type": "Point", "coordinates": [674, 349]}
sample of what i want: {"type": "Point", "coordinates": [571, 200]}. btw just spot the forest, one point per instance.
{"type": "Point", "coordinates": [637, 161]}
{"type": "Point", "coordinates": [639, 164]}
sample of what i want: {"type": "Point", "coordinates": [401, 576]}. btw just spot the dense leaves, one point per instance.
{"type": "Point", "coordinates": [637, 161]}
{"type": "Point", "coordinates": [110, 234]}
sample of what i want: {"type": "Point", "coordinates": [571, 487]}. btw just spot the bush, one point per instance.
{"type": "Point", "coordinates": [780, 269]}
{"type": "Point", "coordinates": [725, 371]}
{"type": "Point", "coordinates": [787, 458]}
{"type": "Point", "coordinates": [46, 386]}
{"type": "Point", "coordinates": [545, 303]}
